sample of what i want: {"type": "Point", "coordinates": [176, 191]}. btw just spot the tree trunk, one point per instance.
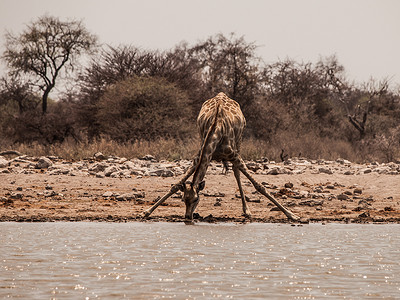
{"type": "Point", "coordinates": [44, 99]}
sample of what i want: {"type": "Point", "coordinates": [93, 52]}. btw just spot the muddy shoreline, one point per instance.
{"type": "Point", "coordinates": [113, 189]}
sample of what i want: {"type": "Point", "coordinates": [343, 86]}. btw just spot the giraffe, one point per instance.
{"type": "Point", "coordinates": [221, 124]}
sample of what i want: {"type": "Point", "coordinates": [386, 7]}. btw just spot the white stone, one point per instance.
{"type": "Point", "coordinates": [3, 162]}
{"type": "Point", "coordinates": [43, 163]}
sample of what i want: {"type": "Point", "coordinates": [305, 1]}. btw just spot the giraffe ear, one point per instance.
{"type": "Point", "coordinates": [181, 187]}
{"type": "Point", "coordinates": [201, 185]}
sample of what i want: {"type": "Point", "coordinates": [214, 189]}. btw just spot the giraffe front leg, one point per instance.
{"type": "Point", "coordinates": [148, 212]}
{"type": "Point", "coordinates": [172, 191]}
{"type": "Point", "coordinates": [246, 210]}
{"type": "Point", "coordinates": [242, 167]}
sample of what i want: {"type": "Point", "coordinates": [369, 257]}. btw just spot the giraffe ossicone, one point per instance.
{"type": "Point", "coordinates": [221, 124]}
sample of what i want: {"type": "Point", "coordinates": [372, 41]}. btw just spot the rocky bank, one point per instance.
{"type": "Point", "coordinates": [119, 189]}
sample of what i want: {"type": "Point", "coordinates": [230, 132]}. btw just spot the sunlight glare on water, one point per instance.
{"type": "Point", "coordinates": [165, 260]}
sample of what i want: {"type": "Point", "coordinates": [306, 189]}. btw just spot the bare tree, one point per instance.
{"type": "Point", "coordinates": [372, 91]}
{"type": "Point", "coordinates": [230, 65]}
{"type": "Point", "coordinates": [14, 89]}
{"type": "Point", "coordinates": [47, 46]}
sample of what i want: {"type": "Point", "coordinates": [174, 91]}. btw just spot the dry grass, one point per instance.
{"type": "Point", "coordinates": [308, 146]}
{"type": "Point", "coordinates": [71, 150]}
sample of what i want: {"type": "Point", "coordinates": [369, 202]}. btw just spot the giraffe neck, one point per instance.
{"type": "Point", "coordinates": [209, 145]}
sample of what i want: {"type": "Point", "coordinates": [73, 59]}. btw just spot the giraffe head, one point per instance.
{"type": "Point", "coordinates": [191, 197]}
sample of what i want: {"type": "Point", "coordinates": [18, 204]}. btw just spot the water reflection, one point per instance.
{"type": "Point", "coordinates": [161, 260]}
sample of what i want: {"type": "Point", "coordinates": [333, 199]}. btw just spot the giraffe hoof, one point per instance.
{"type": "Point", "coordinates": [145, 214]}
{"type": "Point", "coordinates": [294, 217]}
{"type": "Point", "coordinates": [188, 222]}
{"type": "Point", "coordinates": [247, 215]}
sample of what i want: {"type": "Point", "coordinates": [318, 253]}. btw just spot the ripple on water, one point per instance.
{"type": "Point", "coordinates": [154, 260]}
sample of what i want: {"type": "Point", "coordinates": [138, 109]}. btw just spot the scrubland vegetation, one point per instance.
{"type": "Point", "coordinates": [130, 102]}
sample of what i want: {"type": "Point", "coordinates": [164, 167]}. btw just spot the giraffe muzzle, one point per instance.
{"type": "Point", "coordinates": [190, 208]}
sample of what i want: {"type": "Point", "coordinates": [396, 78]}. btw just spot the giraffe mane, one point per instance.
{"type": "Point", "coordinates": [206, 139]}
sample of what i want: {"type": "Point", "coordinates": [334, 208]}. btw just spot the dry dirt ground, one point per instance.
{"type": "Point", "coordinates": [316, 191]}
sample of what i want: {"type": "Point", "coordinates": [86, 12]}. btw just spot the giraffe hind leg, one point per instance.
{"type": "Point", "coordinates": [242, 167]}
{"type": "Point", "coordinates": [246, 210]}
{"type": "Point", "coordinates": [225, 168]}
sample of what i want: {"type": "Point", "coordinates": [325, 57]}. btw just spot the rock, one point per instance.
{"type": "Point", "coordinates": [16, 195]}
{"type": "Point", "coordinates": [304, 194]}
{"type": "Point", "coordinates": [253, 166]}
{"type": "Point", "coordinates": [382, 170]}
{"type": "Point", "coordinates": [125, 174]}
{"type": "Point", "coordinates": [167, 173]}
{"type": "Point", "coordinates": [6, 201]}
{"type": "Point", "coordinates": [274, 171]}
{"type": "Point", "coordinates": [139, 194]}
{"type": "Point", "coordinates": [99, 156]}
{"type": "Point", "coordinates": [116, 174]}
{"type": "Point", "coordinates": [48, 187]}
{"type": "Point", "coordinates": [157, 172]}
{"type": "Point", "coordinates": [357, 191]}
{"type": "Point", "coordinates": [126, 197]}
{"type": "Point", "coordinates": [275, 209]}
{"type": "Point", "coordinates": [214, 194]}
{"type": "Point", "coordinates": [178, 171]}
{"type": "Point", "coordinates": [218, 202]}
{"type": "Point", "coordinates": [149, 157]}
{"type": "Point", "coordinates": [366, 171]}
{"type": "Point", "coordinates": [364, 215]}
{"type": "Point", "coordinates": [139, 171]}
{"type": "Point", "coordinates": [245, 197]}
{"type": "Point", "coordinates": [311, 203]}
{"type": "Point", "coordinates": [110, 170]}
{"type": "Point", "coordinates": [253, 200]}
{"type": "Point", "coordinates": [289, 185]}
{"type": "Point", "coordinates": [319, 190]}
{"type": "Point", "coordinates": [163, 172]}
{"type": "Point", "coordinates": [342, 197]}
{"type": "Point", "coordinates": [99, 167]}
{"type": "Point", "coordinates": [108, 194]}
{"type": "Point", "coordinates": [58, 171]}
{"type": "Point", "coordinates": [325, 170]}
{"type": "Point", "coordinates": [348, 173]}
{"type": "Point", "coordinates": [364, 202]}
{"type": "Point", "coordinates": [48, 193]}
{"type": "Point", "coordinates": [43, 163]}
{"type": "Point", "coordinates": [129, 165]}
{"type": "Point", "coordinates": [3, 162]}
{"type": "Point", "coordinates": [343, 161]}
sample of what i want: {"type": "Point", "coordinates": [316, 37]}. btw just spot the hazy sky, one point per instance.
{"type": "Point", "coordinates": [364, 34]}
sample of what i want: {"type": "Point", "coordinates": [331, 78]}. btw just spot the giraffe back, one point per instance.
{"type": "Point", "coordinates": [224, 117]}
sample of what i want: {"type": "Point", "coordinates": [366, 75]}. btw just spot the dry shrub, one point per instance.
{"type": "Point", "coordinates": [307, 145]}
{"type": "Point", "coordinates": [386, 146]}
{"type": "Point", "coordinates": [145, 108]}
{"type": "Point", "coordinates": [313, 147]}
{"type": "Point", "coordinates": [264, 118]}
{"type": "Point", "coordinates": [34, 126]}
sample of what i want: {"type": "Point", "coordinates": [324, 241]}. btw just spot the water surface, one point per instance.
{"type": "Point", "coordinates": [169, 260]}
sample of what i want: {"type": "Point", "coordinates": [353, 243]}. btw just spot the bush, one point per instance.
{"type": "Point", "coordinates": [145, 108]}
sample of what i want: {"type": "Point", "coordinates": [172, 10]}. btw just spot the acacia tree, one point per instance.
{"type": "Point", "coordinates": [44, 49]}
{"type": "Point", "coordinates": [229, 65]}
